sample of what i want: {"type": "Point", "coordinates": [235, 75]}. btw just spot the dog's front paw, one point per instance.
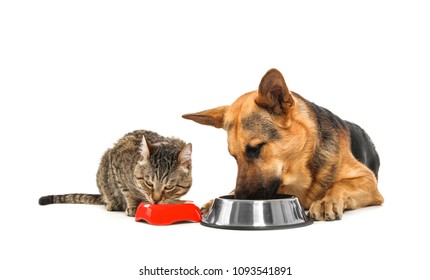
{"type": "Point", "coordinates": [326, 209]}
{"type": "Point", "coordinates": [206, 207]}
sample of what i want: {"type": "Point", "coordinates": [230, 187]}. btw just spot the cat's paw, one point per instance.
{"type": "Point", "coordinates": [131, 211]}
{"type": "Point", "coordinates": [113, 207]}
{"type": "Point", "coordinates": [206, 207]}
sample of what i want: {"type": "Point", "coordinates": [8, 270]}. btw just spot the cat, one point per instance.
{"type": "Point", "coordinates": [142, 166]}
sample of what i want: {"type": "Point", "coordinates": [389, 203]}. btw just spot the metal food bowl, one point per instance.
{"type": "Point", "coordinates": [283, 211]}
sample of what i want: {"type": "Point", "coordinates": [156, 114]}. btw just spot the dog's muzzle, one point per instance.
{"type": "Point", "coordinates": [260, 191]}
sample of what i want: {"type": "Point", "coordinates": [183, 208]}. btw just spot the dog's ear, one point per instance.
{"type": "Point", "coordinates": [213, 117]}
{"type": "Point", "coordinates": [273, 93]}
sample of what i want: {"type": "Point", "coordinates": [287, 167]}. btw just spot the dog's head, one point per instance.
{"type": "Point", "coordinates": [262, 135]}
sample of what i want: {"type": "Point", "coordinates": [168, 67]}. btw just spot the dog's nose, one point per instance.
{"type": "Point", "coordinates": [260, 193]}
{"type": "Point", "coordinates": [261, 190]}
{"type": "Point", "coordinates": [240, 194]}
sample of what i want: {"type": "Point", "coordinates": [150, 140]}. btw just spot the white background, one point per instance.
{"type": "Point", "coordinates": [77, 75]}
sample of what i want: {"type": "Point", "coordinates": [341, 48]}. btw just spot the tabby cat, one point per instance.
{"type": "Point", "coordinates": [141, 167]}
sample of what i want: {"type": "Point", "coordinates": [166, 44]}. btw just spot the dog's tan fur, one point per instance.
{"type": "Point", "coordinates": [275, 136]}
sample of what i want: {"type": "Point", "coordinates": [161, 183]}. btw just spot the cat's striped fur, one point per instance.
{"type": "Point", "coordinates": [143, 166]}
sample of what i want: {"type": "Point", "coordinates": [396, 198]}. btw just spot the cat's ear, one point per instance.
{"type": "Point", "coordinates": [144, 149]}
{"type": "Point", "coordinates": [184, 157]}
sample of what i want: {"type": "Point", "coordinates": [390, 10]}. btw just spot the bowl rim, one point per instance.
{"type": "Point", "coordinates": [230, 197]}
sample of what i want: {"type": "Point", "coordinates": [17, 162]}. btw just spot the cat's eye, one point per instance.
{"type": "Point", "coordinates": [169, 187]}
{"type": "Point", "coordinates": [149, 184]}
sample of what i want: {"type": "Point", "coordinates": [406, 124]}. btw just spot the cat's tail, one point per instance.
{"type": "Point", "coordinates": [73, 198]}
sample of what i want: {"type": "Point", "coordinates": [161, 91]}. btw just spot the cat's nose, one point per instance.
{"type": "Point", "coordinates": [156, 197]}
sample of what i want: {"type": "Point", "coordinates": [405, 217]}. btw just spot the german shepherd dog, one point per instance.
{"type": "Point", "coordinates": [285, 144]}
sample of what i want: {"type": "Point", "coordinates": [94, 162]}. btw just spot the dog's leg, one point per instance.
{"type": "Point", "coordinates": [350, 193]}
{"type": "Point", "coordinates": [207, 206]}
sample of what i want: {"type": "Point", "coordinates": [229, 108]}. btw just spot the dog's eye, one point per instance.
{"type": "Point", "coordinates": [253, 152]}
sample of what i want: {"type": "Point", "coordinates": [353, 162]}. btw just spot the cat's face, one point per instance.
{"type": "Point", "coordinates": [162, 174]}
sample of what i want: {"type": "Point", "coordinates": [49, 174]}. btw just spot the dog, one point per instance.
{"type": "Point", "coordinates": [285, 144]}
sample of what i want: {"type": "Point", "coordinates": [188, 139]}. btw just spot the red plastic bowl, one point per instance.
{"type": "Point", "coordinates": [166, 214]}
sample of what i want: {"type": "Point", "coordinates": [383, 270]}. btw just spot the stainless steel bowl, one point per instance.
{"type": "Point", "coordinates": [283, 211]}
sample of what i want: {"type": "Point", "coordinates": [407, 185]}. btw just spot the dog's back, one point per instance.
{"type": "Point", "coordinates": [361, 145]}
{"type": "Point", "coordinates": [363, 148]}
